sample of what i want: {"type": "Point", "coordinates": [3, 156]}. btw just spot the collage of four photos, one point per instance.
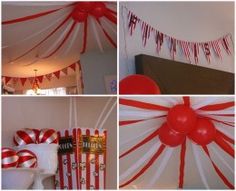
{"type": "Point", "coordinates": [118, 95]}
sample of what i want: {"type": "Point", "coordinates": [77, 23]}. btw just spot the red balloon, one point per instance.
{"type": "Point", "coordinates": [98, 10]}
{"type": "Point", "coordinates": [181, 118]}
{"type": "Point", "coordinates": [79, 16]}
{"type": "Point", "coordinates": [138, 84]}
{"type": "Point", "coordinates": [84, 6]}
{"type": "Point", "coordinates": [204, 132]}
{"type": "Point", "coordinates": [170, 137]}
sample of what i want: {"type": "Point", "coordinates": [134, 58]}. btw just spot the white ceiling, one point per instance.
{"type": "Point", "coordinates": [13, 34]}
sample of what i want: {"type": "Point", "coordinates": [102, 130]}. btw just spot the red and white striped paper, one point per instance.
{"type": "Point", "coordinates": [79, 170]}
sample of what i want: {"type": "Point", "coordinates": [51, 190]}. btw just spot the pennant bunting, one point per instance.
{"type": "Point", "coordinates": [31, 80]}
{"type": "Point", "coordinates": [49, 76]}
{"type": "Point", "coordinates": [207, 52]}
{"type": "Point", "coordinates": [65, 71]}
{"type": "Point", "coordinates": [40, 79]}
{"type": "Point", "coordinates": [73, 66]}
{"type": "Point", "coordinates": [7, 79]}
{"type": "Point", "coordinates": [57, 74]}
{"type": "Point", "coordinates": [23, 80]}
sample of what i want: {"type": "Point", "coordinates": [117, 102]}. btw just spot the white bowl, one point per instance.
{"type": "Point", "coordinates": [46, 155]}
{"type": "Point", "coordinates": [18, 178]}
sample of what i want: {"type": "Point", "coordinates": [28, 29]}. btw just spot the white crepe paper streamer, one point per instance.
{"type": "Point", "coordinates": [103, 111]}
{"type": "Point", "coordinates": [75, 111]}
{"type": "Point", "coordinates": [96, 35]}
{"type": "Point", "coordinates": [140, 162]}
{"type": "Point", "coordinates": [214, 150]}
{"type": "Point", "coordinates": [223, 130]}
{"type": "Point", "coordinates": [35, 3]}
{"type": "Point", "coordinates": [199, 166]}
{"type": "Point", "coordinates": [133, 138]}
{"type": "Point", "coordinates": [109, 25]}
{"type": "Point", "coordinates": [225, 111]}
{"type": "Point", "coordinates": [34, 34]}
{"type": "Point", "coordinates": [107, 115]}
{"type": "Point", "coordinates": [59, 39]}
{"type": "Point", "coordinates": [73, 39]}
{"type": "Point", "coordinates": [204, 102]}
{"type": "Point", "coordinates": [228, 119]}
{"type": "Point", "coordinates": [160, 167]}
{"type": "Point", "coordinates": [133, 115]}
{"type": "Point", "coordinates": [70, 112]}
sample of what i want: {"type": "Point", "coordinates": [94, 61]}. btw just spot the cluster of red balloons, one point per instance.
{"type": "Point", "coordinates": [182, 122]}
{"type": "Point", "coordinates": [83, 9]}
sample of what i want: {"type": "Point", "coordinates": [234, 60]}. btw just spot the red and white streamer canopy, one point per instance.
{"type": "Point", "coordinates": [146, 162]}
{"type": "Point", "coordinates": [51, 35]}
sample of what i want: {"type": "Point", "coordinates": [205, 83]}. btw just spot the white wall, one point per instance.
{"type": "Point", "coordinates": [95, 65]}
{"type": "Point", "coordinates": [191, 21]}
{"type": "Point", "coordinates": [53, 112]}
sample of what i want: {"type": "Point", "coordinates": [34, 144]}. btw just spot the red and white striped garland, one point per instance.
{"type": "Point", "coordinates": [189, 49]}
{"type": "Point", "coordinates": [57, 74]}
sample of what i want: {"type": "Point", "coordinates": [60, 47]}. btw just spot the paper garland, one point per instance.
{"type": "Point", "coordinates": [143, 111]}
{"type": "Point", "coordinates": [40, 78]}
{"type": "Point", "coordinates": [189, 49]}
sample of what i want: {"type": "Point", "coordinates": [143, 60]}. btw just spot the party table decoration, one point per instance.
{"type": "Point", "coordinates": [202, 123]}
{"type": "Point", "coordinates": [35, 136]}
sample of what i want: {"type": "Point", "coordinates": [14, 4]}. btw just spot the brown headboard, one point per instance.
{"type": "Point", "coordinates": [181, 78]}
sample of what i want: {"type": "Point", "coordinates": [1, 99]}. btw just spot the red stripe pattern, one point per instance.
{"type": "Point", "coordinates": [79, 170]}
{"type": "Point", "coordinates": [48, 136]}
{"type": "Point", "coordinates": [9, 158]}
{"type": "Point", "coordinates": [27, 159]}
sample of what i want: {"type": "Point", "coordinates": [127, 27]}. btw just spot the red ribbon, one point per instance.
{"type": "Point", "coordinates": [219, 106]}
{"type": "Point", "coordinates": [182, 164]}
{"type": "Point", "coordinates": [106, 34]}
{"type": "Point", "coordinates": [127, 122]}
{"type": "Point", "coordinates": [42, 41]}
{"type": "Point", "coordinates": [225, 137]}
{"type": "Point", "coordinates": [220, 174]}
{"type": "Point", "coordinates": [30, 17]}
{"type": "Point", "coordinates": [186, 100]}
{"type": "Point", "coordinates": [85, 36]}
{"type": "Point", "coordinates": [143, 105]}
{"type": "Point", "coordinates": [144, 141]}
{"type": "Point", "coordinates": [111, 17]}
{"type": "Point", "coordinates": [224, 145]}
{"type": "Point", "coordinates": [63, 41]}
{"type": "Point", "coordinates": [150, 162]}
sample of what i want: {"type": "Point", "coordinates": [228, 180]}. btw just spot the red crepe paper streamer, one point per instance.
{"type": "Point", "coordinates": [220, 174]}
{"type": "Point", "coordinates": [148, 165]}
{"type": "Point", "coordinates": [35, 16]}
{"type": "Point", "coordinates": [142, 105]}
{"type": "Point", "coordinates": [63, 41]}
{"type": "Point", "coordinates": [106, 34]}
{"type": "Point", "coordinates": [84, 37]}
{"type": "Point", "coordinates": [182, 164]}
